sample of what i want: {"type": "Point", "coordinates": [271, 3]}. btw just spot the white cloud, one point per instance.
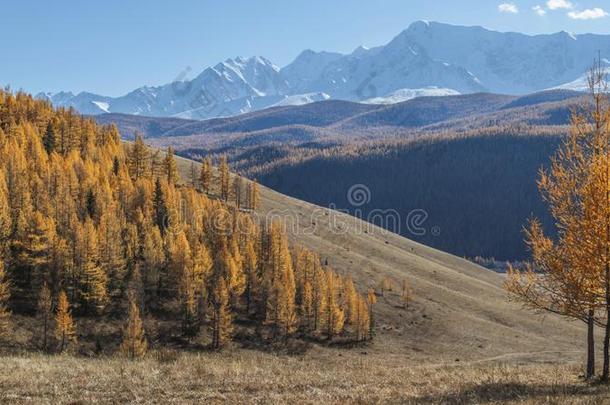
{"type": "Point", "coordinates": [508, 8]}
{"type": "Point", "coordinates": [557, 4]}
{"type": "Point", "coordinates": [588, 14]}
{"type": "Point", "coordinates": [539, 10]}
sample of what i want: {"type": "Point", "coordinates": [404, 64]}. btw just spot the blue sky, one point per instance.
{"type": "Point", "coordinates": [112, 47]}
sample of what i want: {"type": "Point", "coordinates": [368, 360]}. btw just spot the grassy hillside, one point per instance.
{"type": "Point", "coordinates": [460, 310]}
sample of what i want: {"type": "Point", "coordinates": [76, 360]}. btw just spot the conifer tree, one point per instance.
{"type": "Point", "coordinates": [138, 159]}
{"type": "Point", "coordinates": [385, 285]}
{"type": "Point", "coordinates": [253, 195]}
{"type": "Point", "coordinates": [205, 177]}
{"type": "Point", "coordinates": [134, 343]}
{"type": "Point", "coordinates": [170, 168]}
{"type": "Point", "coordinates": [363, 319]}
{"type": "Point", "coordinates": [65, 330]}
{"type": "Point", "coordinates": [571, 274]}
{"type": "Point", "coordinates": [49, 139]}
{"type": "Point", "coordinates": [351, 302]}
{"type": "Point", "coordinates": [222, 319]}
{"type": "Point", "coordinates": [406, 294]}
{"type": "Point", "coordinates": [371, 300]}
{"type": "Point", "coordinates": [45, 311]}
{"type": "Point", "coordinates": [5, 216]}
{"type": "Point", "coordinates": [160, 207]}
{"type": "Point", "coordinates": [5, 314]}
{"type": "Point", "coordinates": [335, 316]}
{"type": "Point", "coordinates": [237, 191]}
{"type": "Point", "coordinates": [93, 279]}
{"type": "Point", "coordinates": [224, 178]}
{"type": "Point", "coordinates": [193, 175]}
{"type": "Point", "coordinates": [308, 307]}
{"type": "Point", "coordinates": [252, 288]}
{"type": "Point", "coordinates": [112, 250]}
{"type": "Point", "coordinates": [31, 250]}
{"type": "Point", "coordinates": [320, 299]}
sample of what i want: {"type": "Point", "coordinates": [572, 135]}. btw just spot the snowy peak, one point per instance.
{"type": "Point", "coordinates": [427, 58]}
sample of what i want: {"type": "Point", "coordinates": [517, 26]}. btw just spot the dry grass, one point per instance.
{"type": "Point", "coordinates": [325, 376]}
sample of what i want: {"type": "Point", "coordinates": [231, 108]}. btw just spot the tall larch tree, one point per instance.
{"type": "Point", "coordinates": [571, 274]}
{"type": "Point", "coordinates": [45, 312]}
{"type": "Point", "coordinates": [93, 279]}
{"type": "Point", "coordinates": [224, 178]}
{"type": "Point", "coordinates": [335, 317]}
{"type": "Point", "coordinates": [5, 293]}
{"type": "Point", "coordinates": [170, 168]}
{"type": "Point", "coordinates": [253, 195]}
{"type": "Point", "coordinates": [65, 329]}
{"type": "Point", "coordinates": [205, 177]}
{"type": "Point", "coordinates": [138, 159]}
{"type": "Point", "coordinates": [222, 318]}
{"type": "Point", "coordinates": [371, 300]}
{"type": "Point", "coordinates": [134, 344]}
{"type": "Point", "coordinates": [238, 185]}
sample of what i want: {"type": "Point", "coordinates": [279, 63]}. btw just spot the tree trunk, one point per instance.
{"type": "Point", "coordinates": [590, 344]}
{"type": "Point", "coordinates": [606, 370]}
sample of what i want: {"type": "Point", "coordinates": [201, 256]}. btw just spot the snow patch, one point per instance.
{"type": "Point", "coordinates": [401, 95]}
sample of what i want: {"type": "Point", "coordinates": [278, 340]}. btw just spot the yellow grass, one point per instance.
{"type": "Point", "coordinates": [325, 376]}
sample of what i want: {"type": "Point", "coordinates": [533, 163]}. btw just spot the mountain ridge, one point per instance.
{"type": "Point", "coordinates": [427, 58]}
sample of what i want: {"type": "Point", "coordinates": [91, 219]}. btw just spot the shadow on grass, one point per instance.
{"type": "Point", "coordinates": [500, 392]}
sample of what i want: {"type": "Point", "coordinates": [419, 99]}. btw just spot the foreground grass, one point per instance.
{"type": "Point", "coordinates": [247, 377]}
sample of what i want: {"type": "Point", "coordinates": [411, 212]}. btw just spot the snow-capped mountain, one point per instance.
{"type": "Point", "coordinates": [427, 58]}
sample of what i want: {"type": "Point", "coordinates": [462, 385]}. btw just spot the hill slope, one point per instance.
{"type": "Point", "coordinates": [460, 311]}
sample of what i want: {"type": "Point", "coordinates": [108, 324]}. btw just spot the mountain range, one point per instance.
{"type": "Point", "coordinates": [428, 58]}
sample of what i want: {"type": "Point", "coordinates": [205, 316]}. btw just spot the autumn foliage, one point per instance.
{"type": "Point", "coordinates": [93, 228]}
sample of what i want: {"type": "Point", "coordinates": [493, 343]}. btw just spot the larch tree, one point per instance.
{"type": "Point", "coordinates": [93, 280]}
{"type": "Point", "coordinates": [571, 274]}
{"type": "Point", "coordinates": [5, 293]}
{"type": "Point", "coordinates": [253, 281]}
{"type": "Point", "coordinates": [363, 320]}
{"type": "Point", "coordinates": [335, 317]}
{"type": "Point", "coordinates": [205, 177]}
{"type": "Point", "coordinates": [307, 308]}
{"type": "Point", "coordinates": [385, 284]}
{"type": "Point", "coordinates": [222, 318]}
{"type": "Point", "coordinates": [170, 168]}
{"type": "Point", "coordinates": [193, 177]}
{"type": "Point", "coordinates": [65, 329]}
{"type": "Point", "coordinates": [5, 216]}
{"type": "Point", "coordinates": [238, 185]}
{"type": "Point", "coordinates": [138, 158]}
{"type": "Point", "coordinates": [406, 294]}
{"type": "Point", "coordinates": [134, 344]}
{"type": "Point", "coordinates": [224, 178]}
{"type": "Point", "coordinates": [371, 300]}
{"type": "Point", "coordinates": [351, 301]}
{"type": "Point", "coordinates": [161, 210]}
{"type": "Point", "coordinates": [253, 195]}
{"type": "Point", "coordinates": [45, 312]}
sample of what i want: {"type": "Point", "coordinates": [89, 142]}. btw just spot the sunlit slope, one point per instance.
{"type": "Point", "coordinates": [460, 311]}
